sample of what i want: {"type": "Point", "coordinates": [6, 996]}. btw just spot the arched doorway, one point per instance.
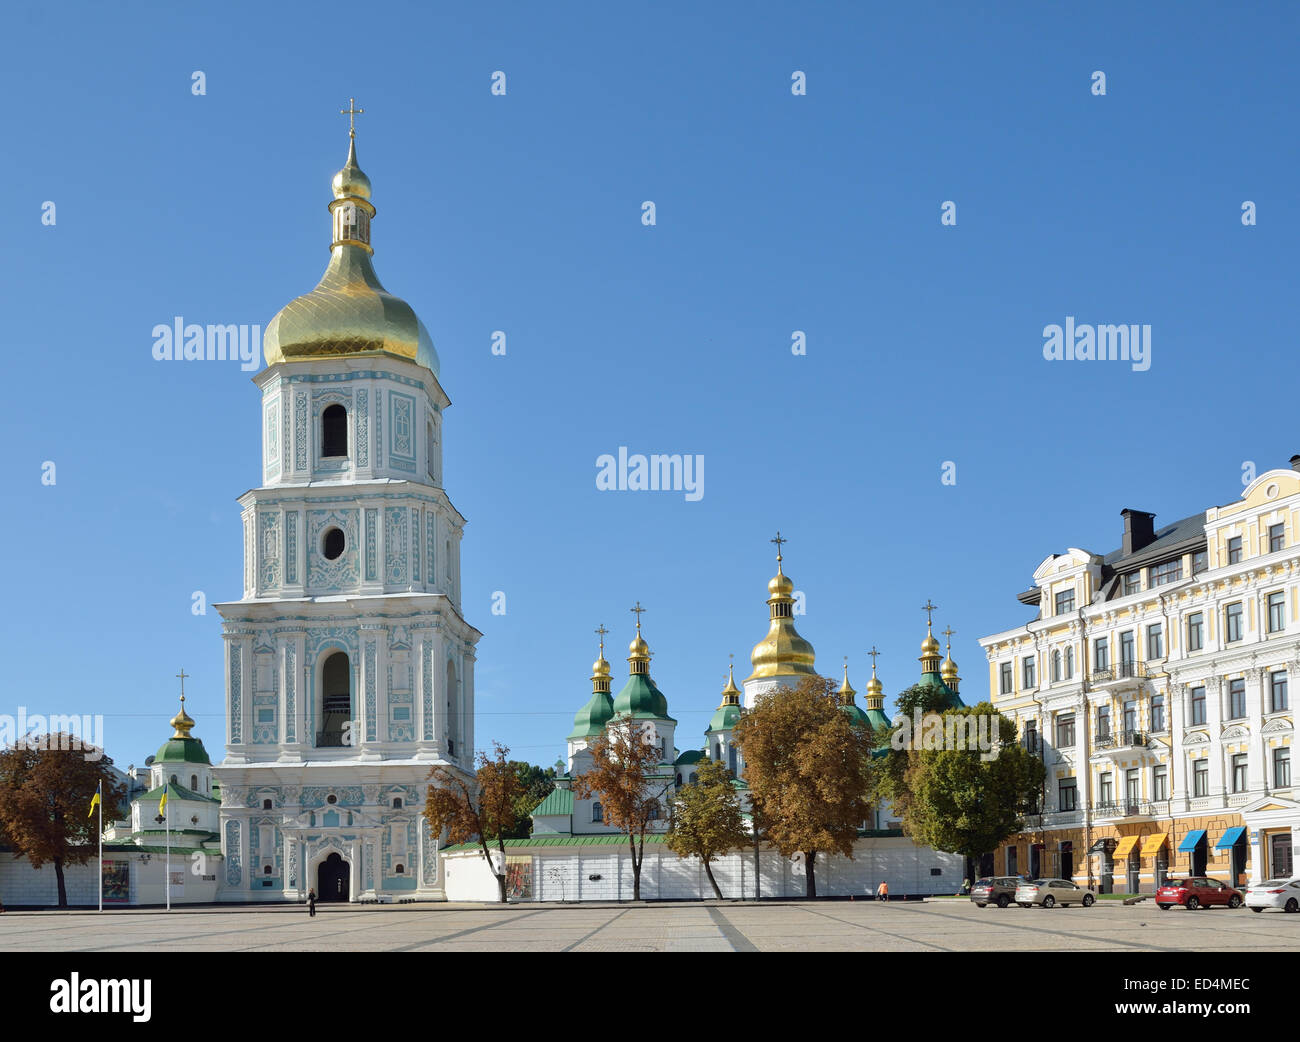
{"type": "Point", "coordinates": [332, 879]}
{"type": "Point", "coordinates": [336, 703]}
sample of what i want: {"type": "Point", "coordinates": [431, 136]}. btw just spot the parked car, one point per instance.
{"type": "Point", "coordinates": [1049, 892]}
{"type": "Point", "coordinates": [1274, 893]}
{"type": "Point", "coordinates": [996, 890]}
{"type": "Point", "coordinates": [1197, 892]}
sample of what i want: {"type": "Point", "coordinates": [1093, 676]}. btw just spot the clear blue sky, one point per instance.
{"type": "Point", "coordinates": [522, 213]}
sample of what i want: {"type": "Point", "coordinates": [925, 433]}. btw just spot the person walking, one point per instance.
{"type": "Point", "coordinates": [311, 902]}
{"type": "Point", "coordinates": [882, 891]}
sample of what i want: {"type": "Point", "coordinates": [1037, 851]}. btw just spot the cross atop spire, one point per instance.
{"type": "Point", "coordinates": [637, 612]}
{"type": "Point", "coordinates": [778, 540]}
{"type": "Point", "coordinates": [601, 631]}
{"type": "Point", "coordinates": [929, 610]}
{"type": "Point", "coordinates": [181, 677]}
{"type": "Point", "coordinates": [351, 112]}
{"type": "Point", "coordinates": [874, 654]}
{"type": "Point", "coordinates": [949, 633]}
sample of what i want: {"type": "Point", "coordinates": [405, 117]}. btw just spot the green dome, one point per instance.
{"type": "Point", "coordinates": [724, 719]}
{"type": "Point", "coordinates": [856, 716]}
{"type": "Point", "coordinates": [935, 680]}
{"type": "Point", "coordinates": [641, 700]}
{"type": "Point", "coordinates": [182, 750]}
{"type": "Point", "coordinates": [878, 720]}
{"type": "Point", "coordinates": [592, 718]}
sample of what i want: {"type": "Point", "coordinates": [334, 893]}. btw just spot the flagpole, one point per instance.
{"type": "Point", "coordinates": [100, 792]}
{"type": "Point", "coordinates": [167, 827]}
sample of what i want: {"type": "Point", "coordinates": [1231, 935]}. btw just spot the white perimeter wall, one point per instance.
{"type": "Point", "coordinates": [565, 873]}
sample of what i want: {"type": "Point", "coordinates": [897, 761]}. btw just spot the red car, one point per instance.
{"type": "Point", "coordinates": [1197, 892]}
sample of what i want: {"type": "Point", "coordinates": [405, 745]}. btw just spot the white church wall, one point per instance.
{"type": "Point", "coordinates": [20, 884]}
{"type": "Point", "coordinates": [469, 878]}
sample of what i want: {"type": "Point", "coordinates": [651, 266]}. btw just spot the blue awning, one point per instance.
{"type": "Point", "coordinates": [1191, 840]}
{"type": "Point", "coordinates": [1229, 839]}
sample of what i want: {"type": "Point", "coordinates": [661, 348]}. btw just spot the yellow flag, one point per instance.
{"type": "Point", "coordinates": [162, 804]}
{"type": "Point", "coordinates": [93, 804]}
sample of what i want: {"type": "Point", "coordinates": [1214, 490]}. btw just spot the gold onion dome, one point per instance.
{"type": "Point", "coordinates": [875, 689]}
{"type": "Point", "coordinates": [846, 689]}
{"type": "Point", "coordinates": [948, 668]}
{"type": "Point", "coordinates": [929, 646]}
{"type": "Point", "coordinates": [349, 313]}
{"type": "Point", "coordinates": [731, 693]}
{"type": "Point", "coordinates": [782, 652]}
{"type": "Point", "coordinates": [181, 723]}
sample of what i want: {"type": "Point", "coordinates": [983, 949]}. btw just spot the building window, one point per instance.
{"type": "Point", "coordinates": [1195, 631]}
{"type": "Point", "coordinates": [1056, 666]}
{"type": "Point", "coordinates": [399, 870]}
{"type": "Point", "coordinates": [1276, 612]}
{"type": "Point", "coordinates": [266, 804]}
{"type": "Point", "coordinates": [397, 803]}
{"type": "Point", "coordinates": [1005, 681]}
{"type": "Point", "coordinates": [1103, 721]}
{"type": "Point", "coordinates": [1278, 700]}
{"type": "Point", "coordinates": [1064, 601]}
{"type": "Point", "coordinates": [1200, 561]}
{"type": "Point", "coordinates": [597, 813]}
{"type": "Point", "coordinates": [1239, 782]}
{"type": "Point", "coordinates": [1065, 731]}
{"type": "Point", "coordinates": [1031, 736]}
{"type": "Point", "coordinates": [1232, 622]}
{"type": "Point", "coordinates": [1011, 862]}
{"type": "Point", "coordinates": [334, 431]}
{"type": "Point", "coordinates": [1201, 778]}
{"type": "Point", "coordinates": [1158, 721]}
{"type": "Point", "coordinates": [1132, 583]}
{"type": "Point", "coordinates": [333, 544]}
{"type": "Point", "coordinates": [1130, 715]}
{"type": "Point", "coordinates": [1160, 782]}
{"type": "Point", "coordinates": [1282, 768]}
{"type": "Point", "coordinates": [1198, 705]}
{"type": "Point", "coordinates": [1101, 653]}
{"type": "Point", "coordinates": [1106, 789]}
{"type": "Point", "coordinates": [1027, 664]}
{"type": "Point", "coordinates": [1276, 538]}
{"type": "Point", "coordinates": [654, 813]}
{"type": "Point", "coordinates": [1234, 550]}
{"type": "Point", "coordinates": [1127, 656]}
{"type": "Point", "coordinates": [1132, 786]}
{"type": "Point", "coordinates": [1069, 663]}
{"type": "Point", "coordinates": [1236, 698]}
{"type": "Point", "coordinates": [1155, 641]}
{"type": "Point", "coordinates": [1170, 571]}
{"type": "Point", "coordinates": [1068, 794]}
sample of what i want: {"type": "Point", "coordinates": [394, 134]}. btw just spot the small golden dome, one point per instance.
{"type": "Point", "coordinates": [929, 646]}
{"type": "Point", "coordinates": [731, 693]}
{"type": "Point", "coordinates": [780, 585]}
{"type": "Point", "coordinates": [181, 722]}
{"type": "Point", "coordinates": [638, 648]}
{"type": "Point", "coordinates": [351, 181]}
{"type": "Point", "coordinates": [846, 689]}
{"type": "Point", "coordinates": [875, 689]}
{"type": "Point", "coordinates": [948, 668]}
{"type": "Point", "coordinates": [600, 668]}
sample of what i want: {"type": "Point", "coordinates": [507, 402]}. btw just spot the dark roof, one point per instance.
{"type": "Point", "coordinates": [1169, 541]}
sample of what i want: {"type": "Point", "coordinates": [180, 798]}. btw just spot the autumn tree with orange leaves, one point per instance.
{"type": "Point", "coordinates": [485, 809]}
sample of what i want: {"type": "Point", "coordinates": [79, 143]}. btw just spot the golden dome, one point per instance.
{"type": "Point", "coordinates": [349, 312]}
{"type": "Point", "coordinates": [929, 646]}
{"type": "Point", "coordinates": [599, 668]}
{"type": "Point", "coordinates": [846, 689]}
{"type": "Point", "coordinates": [181, 722]}
{"type": "Point", "coordinates": [782, 652]}
{"type": "Point", "coordinates": [731, 693]}
{"type": "Point", "coordinates": [875, 689]}
{"type": "Point", "coordinates": [948, 668]}
{"type": "Point", "coordinates": [638, 649]}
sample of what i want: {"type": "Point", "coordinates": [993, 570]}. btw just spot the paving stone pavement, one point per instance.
{"type": "Point", "coordinates": [937, 925]}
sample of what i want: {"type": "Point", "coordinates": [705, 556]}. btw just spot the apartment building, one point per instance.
{"type": "Point", "coordinates": [1154, 683]}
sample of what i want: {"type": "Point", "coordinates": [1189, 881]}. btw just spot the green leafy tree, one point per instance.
{"type": "Point", "coordinates": [536, 784]}
{"type": "Point", "coordinates": [965, 803]}
{"type": "Point", "coordinates": [809, 769]}
{"type": "Point", "coordinates": [484, 809]}
{"type": "Point", "coordinates": [46, 789]}
{"type": "Point", "coordinates": [706, 818]}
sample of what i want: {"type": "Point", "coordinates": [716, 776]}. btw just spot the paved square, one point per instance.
{"type": "Point", "coordinates": [939, 925]}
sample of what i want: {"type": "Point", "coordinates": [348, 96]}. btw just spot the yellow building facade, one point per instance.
{"type": "Point", "coordinates": [1154, 683]}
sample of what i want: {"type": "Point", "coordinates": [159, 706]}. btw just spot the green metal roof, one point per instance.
{"type": "Point", "coordinates": [724, 719]}
{"type": "Point", "coordinates": [878, 720]}
{"type": "Point", "coordinates": [935, 680]}
{"type": "Point", "coordinates": [855, 714]}
{"type": "Point", "coordinates": [175, 792]}
{"type": "Point", "coordinates": [591, 719]}
{"type": "Point", "coordinates": [640, 699]}
{"type": "Point", "coordinates": [559, 802]}
{"type": "Point", "coordinates": [689, 757]}
{"type": "Point", "coordinates": [182, 750]}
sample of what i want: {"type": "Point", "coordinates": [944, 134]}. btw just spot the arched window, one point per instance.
{"type": "Point", "coordinates": [679, 777]}
{"type": "Point", "coordinates": [654, 813]}
{"type": "Point", "coordinates": [336, 701]}
{"type": "Point", "coordinates": [174, 781]}
{"type": "Point", "coordinates": [1069, 663]}
{"type": "Point", "coordinates": [397, 803]}
{"type": "Point", "coordinates": [1056, 666]}
{"type": "Point", "coordinates": [453, 709]}
{"type": "Point", "coordinates": [334, 431]}
{"type": "Point", "coordinates": [694, 778]}
{"type": "Point", "coordinates": [266, 871]}
{"type": "Point", "coordinates": [731, 758]}
{"type": "Point", "coordinates": [333, 543]}
{"type": "Point", "coordinates": [266, 804]}
{"type": "Point", "coordinates": [400, 870]}
{"type": "Point", "coordinates": [597, 813]}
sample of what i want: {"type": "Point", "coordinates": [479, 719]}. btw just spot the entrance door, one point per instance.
{"type": "Point", "coordinates": [1133, 877]}
{"type": "Point", "coordinates": [1067, 860]}
{"type": "Point", "coordinates": [1199, 857]}
{"type": "Point", "coordinates": [332, 879]}
{"type": "Point", "coordinates": [1279, 855]}
{"type": "Point", "coordinates": [1239, 850]}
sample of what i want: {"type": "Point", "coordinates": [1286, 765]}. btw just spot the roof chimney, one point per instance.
{"type": "Point", "coordinates": [1139, 530]}
{"type": "Point", "coordinates": [1295, 462]}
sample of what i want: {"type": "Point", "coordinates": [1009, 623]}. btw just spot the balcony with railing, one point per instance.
{"type": "Point", "coordinates": [1120, 810]}
{"type": "Point", "coordinates": [1124, 741]}
{"type": "Point", "coordinates": [1120, 673]}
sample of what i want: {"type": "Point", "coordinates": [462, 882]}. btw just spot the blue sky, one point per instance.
{"type": "Point", "coordinates": [522, 213]}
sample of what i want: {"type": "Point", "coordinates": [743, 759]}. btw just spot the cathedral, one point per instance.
{"type": "Point", "coordinates": [349, 666]}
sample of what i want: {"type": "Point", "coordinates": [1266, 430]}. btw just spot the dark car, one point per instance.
{"type": "Point", "coordinates": [1195, 892]}
{"type": "Point", "coordinates": [997, 890]}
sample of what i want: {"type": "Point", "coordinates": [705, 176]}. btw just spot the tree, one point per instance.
{"type": "Point", "coordinates": [706, 818]}
{"type": "Point", "coordinates": [627, 775]}
{"type": "Point", "coordinates": [967, 801]}
{"type": "Point", "coordinates": [809, 769]}
{"type": "Point", "coordinates": [46, 788]}
{"type": "Point", "coordinates": [536, 784]}
{"type": "Point", "coordinates": [486, 810]}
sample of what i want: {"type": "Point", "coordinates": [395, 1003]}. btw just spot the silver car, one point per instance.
{"type": "Point", "coordinates": [1051, 892]}
{"type": "Point", "coordinates": [1274, 893]}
